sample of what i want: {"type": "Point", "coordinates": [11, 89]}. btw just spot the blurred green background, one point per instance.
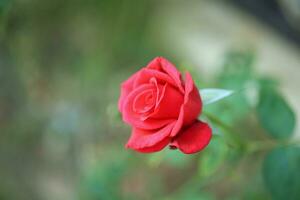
{"type": "Point", "coordinates": [61, 137]}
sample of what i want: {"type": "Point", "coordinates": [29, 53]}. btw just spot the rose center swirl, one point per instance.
{"type": "Point", "coordinates": [144, 101]}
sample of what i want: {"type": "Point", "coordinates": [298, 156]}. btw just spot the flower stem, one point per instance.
{"type": "Point", "coordinates": [270, 144]}
{"type": "Point", "coordinates": [250, 147]}
{"type": "Point", "coordinates": [228, 130]}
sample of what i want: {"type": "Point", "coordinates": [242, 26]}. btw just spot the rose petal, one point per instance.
{"type": "Point", "coordinates": [157, 147]}
{"type": "Point", "coordinates": [144, 102]}
{"type": "Point", "coordinates": [126, 88]}
{"type": "Point", "coordinates": [160, 93]}
{"type": "Point", "coordinates": [194, 138]}
{"type": "Point", "coordinates": [192, 101]}
{"type": "Point", "coordinates": [191, 107]}
{"type": "Point", "coordinates": [155, 64]}
{"type": "Point", "coordinates": [146, 74]}
{"type": "Point", "coordinates": [170, 104]}
{"type": "Point", "coordinates": [162, 64]}
{"type": "Point", "coordinates": [179, 122]}
{"type": "Point", "coordinates": [140, 138]}
{"type": "Point", "coordinates": [137, 120]}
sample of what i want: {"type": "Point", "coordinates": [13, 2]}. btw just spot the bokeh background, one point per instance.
{"type": "Point", "coordinates": [61, 64]}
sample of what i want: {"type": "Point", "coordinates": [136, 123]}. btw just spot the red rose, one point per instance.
{"type": "Point", "coordinates": [162, 109]}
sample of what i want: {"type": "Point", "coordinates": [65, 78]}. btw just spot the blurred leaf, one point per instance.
{"type": "Point", "coordinates": [254, 186]}
{"type": "Point", "coordinates": [275, 114]}
{"type": "Point", "coordinates": [213, 156]}
{"type": "Point", "coordinates": [211, 95]}
{"type": "Point", "coordinates": [237, 69]}
{"type": "Point", "coordinates": [231, 109]}
{"type": "Point", "coordinates": [281, 173]}
{"type": "Point", "coordinates": [268, 82]}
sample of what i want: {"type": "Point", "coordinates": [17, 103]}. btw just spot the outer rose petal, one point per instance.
{"type": "Point", "coordinates": [191, 107]}
{"type": "Point", "coordinates": [146, 74]}
{"type": "Point", "coordinates": [126, 88]}
{"type": "Point", "coordinates": [193, 139]}
{"type": "Point", "coordinates": [192, 101]}
{"type": "Point", "coordinates": [179, 122]}
{"type": "Point", "coordinates": [162, 64]}
{"type": "Point", "coordinates": [140, 139]}
{"type": "Point", "coordinates": [157, 147]}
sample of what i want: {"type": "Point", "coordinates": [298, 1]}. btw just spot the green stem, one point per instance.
{"type": "Point", "coordinates": [250, 147]}
{"type": "Point", "coordinates": [269, 144]}
{"type": "Point", "coordinates": [228, 130]}
{"type": "Point", "coordinates": [215, 120]}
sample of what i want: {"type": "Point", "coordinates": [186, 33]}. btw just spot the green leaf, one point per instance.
{"type": "Point", "coordinates": [213, 156]}
{"type": "Point", "coordinates": [237, 71]}
{"type": "Point", "coordinates": [211, 95]}
{"type": "Point", "coordinates": [281, 172]}
{"type": "Point", "coordinates": [275, 114]}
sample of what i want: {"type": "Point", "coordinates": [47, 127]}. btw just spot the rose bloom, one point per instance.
{"type": "Point", "coordinates": [162, 109]}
